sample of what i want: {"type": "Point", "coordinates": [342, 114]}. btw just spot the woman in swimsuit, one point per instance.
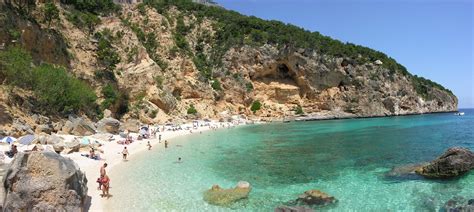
{"type": "Point", "coordinates": [105, 186]}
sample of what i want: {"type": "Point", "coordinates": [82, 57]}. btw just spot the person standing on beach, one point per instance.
{"type": "Point", "coordinates": [102, 174]}
{"type": "Point", "coordinates": [166, 143]}
{"type": "Point", "coordinates": [125, 153]}
{"type": "Point", "coordinates": [105, 186]}
{"type": "Point", "coordinates": [149, 145]}
{"type": "Point", "coordinates": [159, 138]}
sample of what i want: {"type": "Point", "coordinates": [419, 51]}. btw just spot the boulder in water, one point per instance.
{"type": "Point", "coordinates": [315, 198]}
{"type": "Point", "coordinates": [454, 162]}
{"type": "Point", "coordinates": [225, 197]}
{"type": "Point", "coordinates": [44, 181]}
{"type": "Point", "coordinates": [285, 208]}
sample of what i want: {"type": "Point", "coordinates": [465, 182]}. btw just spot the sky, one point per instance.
{"type": "Point", "coordinates": [431, 38]}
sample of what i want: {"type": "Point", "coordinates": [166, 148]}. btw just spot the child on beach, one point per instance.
{"type": "Point", "coordinates": [149, 145]}
{"type": "Point", "coordinates": [125, 153]}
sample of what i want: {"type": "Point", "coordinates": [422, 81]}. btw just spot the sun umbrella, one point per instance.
{"type": "Point", "coordinates": [85, 141]}
{"type": "Point", "coordinates": [8, 139]}
{"type": "Point", "coordinates": [27, 139]}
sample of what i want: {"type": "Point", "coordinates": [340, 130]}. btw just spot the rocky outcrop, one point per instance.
{"type": "Point", "coordinates": [454, 162]}
{"type": "Point", "coordinates": [458, 204]}
{"type": "Point", "coordinates": [225, 197]}
{"type": "Point", "coordinates": [108, 125]}
{"type": "Point", "coordinates": [131, 125]}
{"type": "Point", "coordinates": [315, 198]}
{"type": "Point", "coordinates": [78, 126]}
{"type": "Point", "coordinates": [44, 181]}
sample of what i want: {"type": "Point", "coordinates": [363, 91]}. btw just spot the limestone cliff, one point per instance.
{"type": "Point", "coordinates": [174, 56]}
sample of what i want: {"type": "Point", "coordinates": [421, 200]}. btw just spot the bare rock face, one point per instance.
{"type": "Point", "coordinates": [454, 162]}
{"type": "Point", "coordinates": [108, 125]}
{"type": "Point", "coordinates": [225, 197]}
{"type": "Point", "coordinates": [131, 125]}
{"type": "Point", "coordinates": [78, 126]}
{"type": "Point", "coordinates": [44, 181]}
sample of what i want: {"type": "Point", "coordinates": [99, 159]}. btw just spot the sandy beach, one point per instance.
{"type": "Point", "coordinates": [112, 156]}
{"type": "Point", "coordinates": [110, 152]}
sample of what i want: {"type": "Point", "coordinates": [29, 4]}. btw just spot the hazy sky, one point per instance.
{"type": "Point", "coordinates": [432, 38]}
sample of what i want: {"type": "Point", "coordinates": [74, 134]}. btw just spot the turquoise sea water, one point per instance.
{"type": "Point", "coordinates": [344, 158]}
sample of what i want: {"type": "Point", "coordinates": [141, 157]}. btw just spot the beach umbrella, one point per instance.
{"type": "Point", "coordinates": [85, 141]}
{"type": "Point", "coordinates": [27, 139]}
{"type": "Point", "coordinates": [8, 139]}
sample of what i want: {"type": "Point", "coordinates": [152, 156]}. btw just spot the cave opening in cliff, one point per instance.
{"type": "Point", "coordinates": [283, 72]}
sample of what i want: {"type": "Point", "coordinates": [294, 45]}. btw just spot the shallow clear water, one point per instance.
{"type": "Point", "coordinates": [344, 158]}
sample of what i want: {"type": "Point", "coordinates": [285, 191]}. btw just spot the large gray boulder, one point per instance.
{"type": "Point", "coordinates": [454, 162]}
{"type": "Point", "coordinates": [225, 197]}
{"type": "Point", "coordinates": [44, 181]}
{"type": "Point", "coordinates": [108, 125]}
{"type": "Point", "coordinates": [131, 125]}
{"type": "Point", "coordinates": [78, 126]}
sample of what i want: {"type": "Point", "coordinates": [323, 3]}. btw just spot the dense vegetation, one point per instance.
{"type": "Point", "coordinates": [97, 7]}
{"type": "Point", "coordinates": [55, 89]}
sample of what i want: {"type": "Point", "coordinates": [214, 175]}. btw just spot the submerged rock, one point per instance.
{"type": "Point", "coordinates": [458, 204]}
{"type": "Point", "coordinates": [454, 162]}
{"type": "Point", "coordinates": [315, 198]}
{"type": "Point", "coordinates": [404, 172]}
{"type": "Point", "coordinates": [285, 208]}
{"type": "Point", "coordinates": [44, 181]}
{"type": "Point", "coordinates": [225, 197]}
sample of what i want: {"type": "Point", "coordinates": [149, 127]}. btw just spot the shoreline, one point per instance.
{"type": "Point", "coordinates": [312, 117]}
{"type": "Point", "coordinates": [113, 157]}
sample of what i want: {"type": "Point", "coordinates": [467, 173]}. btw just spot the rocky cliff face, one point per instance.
{"type": "Point", "coordinates": [162, 74]}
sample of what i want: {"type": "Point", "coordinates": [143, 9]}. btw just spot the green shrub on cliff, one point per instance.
{"type": "Point", "coordinates": [56, 91]}
{"type": "Point", "coordinates": [256, 105]}
{"type": "Point", "coordinates": [83, 20]}
{"type": "Point", "coordinates": [59, 92]}
{"type": "Point", "coordinates": [51, 12]}
{"type": "Point", "coordinates": [98, 7]}
{"type": "Point", "coordinates": [106, 53]}
{"type": "Point", "coordinates": [299, 110]}
{"type": "Point", "coordinates": [15, 66]}
{"type": "Point", "coordinates": [192, 110]}
{"type": "Point", "coordinates": [216, 85]}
